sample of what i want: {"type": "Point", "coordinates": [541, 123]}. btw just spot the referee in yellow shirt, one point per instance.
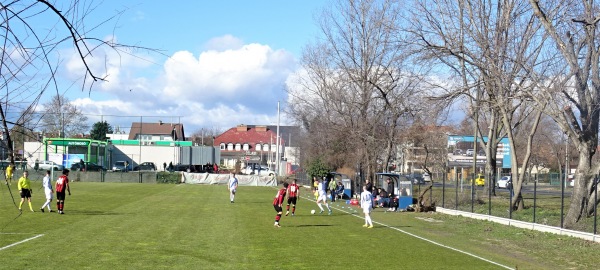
{"type": "Point", "coordinates": [24, 186]}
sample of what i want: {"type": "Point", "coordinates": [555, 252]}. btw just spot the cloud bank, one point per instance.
{"type": "Point", "coordinates": [227, 84]}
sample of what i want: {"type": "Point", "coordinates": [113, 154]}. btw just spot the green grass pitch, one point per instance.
{"type": "Point", "coordinates": [146, 226]}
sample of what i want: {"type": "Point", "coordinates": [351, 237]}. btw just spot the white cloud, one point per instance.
{"type": "Point", "coordinates": [223, 43]}
{"type": "Point", "coordinates": [228, 85]}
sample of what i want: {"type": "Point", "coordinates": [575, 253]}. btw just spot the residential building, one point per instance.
{"type": "Point", "coordinates": [245, 144]}
{"type": "Point", "coordinates": [149, 132]}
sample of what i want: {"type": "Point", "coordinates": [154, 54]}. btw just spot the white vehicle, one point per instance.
{"type": "Point", "coordinates": [49, 165]}
{"type": "Point", "coordinates": [469, 152]}
{"type": "Point", "coordinates": [258, 170]}
{"type": "Point", "coordinates": [571, 180]}
{"type": "Point", "coordinates": [503, 182]}
{"type": "Point", "coordinates": [426, 177]}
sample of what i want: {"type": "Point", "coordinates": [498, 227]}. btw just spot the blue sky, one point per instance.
{"type": "Point", "coordinates": [225, 62]}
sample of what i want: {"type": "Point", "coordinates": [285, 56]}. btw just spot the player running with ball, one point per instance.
{"type": "Point", "coordinates": [322, 189]}
{"type": "Point", "coordinates": [278, 202]}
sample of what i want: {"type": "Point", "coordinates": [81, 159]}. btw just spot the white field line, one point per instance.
{"type": "Point", "coordinates": [421, 238]}
{"type": "Point", "coordinates": [20, 242]}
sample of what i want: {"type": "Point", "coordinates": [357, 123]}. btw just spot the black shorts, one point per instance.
{"type": "Point", "coordinates": [278, 208]}
{"type": "Point", "coordinates": [60, 196]}
{"type": "Point", "coordinates": [25, 193]}
{"type": "Point", "coordinates": [292, 200]}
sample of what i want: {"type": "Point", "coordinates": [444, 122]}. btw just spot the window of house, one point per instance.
{"type": "Point", "coordinates": [230, 146]}
{"type": "Point", "coordinates": [222, 146]}
{"type": "Point", "coordinates": [246, 147]}
{"type": "Point", "coordinates": [258, 147]}
{"type": "Point", "coordinates": [238, 147]}
{"type": "Point", "coordinates": [273, 148]}
{"type": "Point", "coordinates": [265, 147]}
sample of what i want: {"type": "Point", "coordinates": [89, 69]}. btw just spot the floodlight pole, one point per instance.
{"type": "Point", "coordinates": [277, 158]}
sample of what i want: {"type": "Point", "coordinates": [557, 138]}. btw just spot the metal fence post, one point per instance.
{"type": "Point", "coordinates": [444, 189]}
{"type": "Point", "coordinates": [473, 193]}
{"type": "Point", "coordinates": [490, 186]}
{"type": "Point", "coordinates": [535, 180]}
{"type": "Point", "coordinates": [456, 191]}
{"type": "Point", "coordinates": [595, 200]}
{"type": "Point", "coordinates": [510, 208]}
{"type": "Point", "coordinates": [562, 199]}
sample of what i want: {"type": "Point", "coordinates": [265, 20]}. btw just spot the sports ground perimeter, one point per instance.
{"type": "Point", "coordinates": [145, 226]}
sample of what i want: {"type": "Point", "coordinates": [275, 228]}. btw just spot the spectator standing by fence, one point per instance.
{"type": "Point", "coordinates": [390, 188]}
{"type": "Point", "coordinates": [332, 186]}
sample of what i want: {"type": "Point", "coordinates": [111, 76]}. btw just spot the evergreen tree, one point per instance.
{"type": "Point", "coordinates": [99, 131]}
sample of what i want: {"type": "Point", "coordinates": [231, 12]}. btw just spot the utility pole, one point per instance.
{"type": "Point", "coordinates": [277, 158]}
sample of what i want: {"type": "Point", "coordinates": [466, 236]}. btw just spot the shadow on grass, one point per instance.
{"type": "Point", "coordinates": [92, 213]}
{"type": "Point", "coordinates": [313, 225]}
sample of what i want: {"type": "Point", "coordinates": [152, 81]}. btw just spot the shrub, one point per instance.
{"type": "Point", "coordinates": [168, 178]}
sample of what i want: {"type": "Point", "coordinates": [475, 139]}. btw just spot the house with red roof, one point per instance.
{"type": "Point", "coordinates": [246, 144]}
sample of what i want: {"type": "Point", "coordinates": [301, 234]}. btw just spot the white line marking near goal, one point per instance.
{"type": "Point", "coordinates": [424, 239]}
{"type": "Point", "coordinates": [21, 242]}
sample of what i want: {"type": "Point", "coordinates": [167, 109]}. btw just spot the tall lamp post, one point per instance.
{"type": "Point", "coordinates": [261, 152]}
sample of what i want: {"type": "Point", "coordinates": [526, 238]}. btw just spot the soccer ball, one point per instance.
{"type": "Point", "coordinates": [312, 211]}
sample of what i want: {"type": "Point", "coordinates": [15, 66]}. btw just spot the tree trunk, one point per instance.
{"type": "Point", "coordinates": [578, 207]}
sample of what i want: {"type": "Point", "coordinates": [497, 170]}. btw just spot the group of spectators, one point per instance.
{"type": "Point", "coordinates": [334, 188]}
{"type": "Point", "coordinates": [383, 197]}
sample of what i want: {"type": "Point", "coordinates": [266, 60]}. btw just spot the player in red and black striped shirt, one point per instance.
{"type": "Point", "coordinates": [293, 192]}
{"type": "Point", "coordinates": [277, 202]}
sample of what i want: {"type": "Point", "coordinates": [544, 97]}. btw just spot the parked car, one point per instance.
{"type": "Point", "coordinates": [89, 166]}
{"type": "Point", "coordinates": [503, 182]}
{"type": "Point", "coordinates": [49, 165]}
{"type": "Point", "coordinates": [180, 168]}
{"type": "Point", "coordinates": [145, 166]}
{"type": "Point", "coordinates": [479, 181]}
{"type": "Point", "coordinates": [470, 152]}
{"type": "Point", "coordinates": [416, 178]}
{"type": "Point", "coordinates": [121, 166]}
{"type": "Point", "coordinates": [259, 170]}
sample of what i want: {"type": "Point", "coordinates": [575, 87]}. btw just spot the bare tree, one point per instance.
{"type": "Point", "coordinates": [29, 53]}
{"type": "Point", "coordinates": [573, 93]}
{"type": "Point", "coordinates": [494, 48]}
{"type": "Point", "coordinates": [358, 84]}
{"type": "Point", "coordinates": [205, 136]}
{"type": "Point", "coordinates": [63, 119]}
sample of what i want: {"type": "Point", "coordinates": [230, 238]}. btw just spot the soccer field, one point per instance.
{"type": "Point", "coordinates": [146, 226]}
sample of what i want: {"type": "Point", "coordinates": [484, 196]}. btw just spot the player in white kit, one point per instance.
{"type": "Point", "coordinates": [47, 184]}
